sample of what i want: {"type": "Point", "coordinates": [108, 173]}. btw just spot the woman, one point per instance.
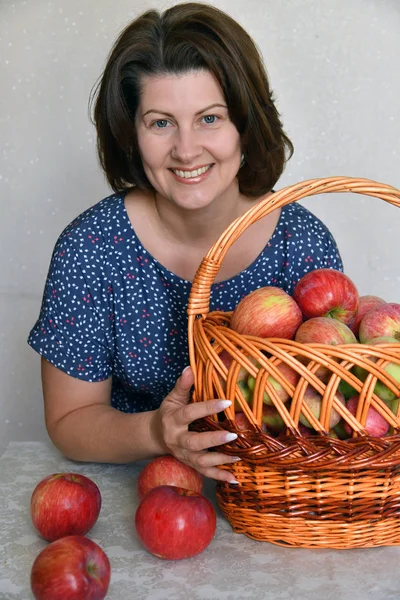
{"type": "Point", "coordinates": [189, 139]}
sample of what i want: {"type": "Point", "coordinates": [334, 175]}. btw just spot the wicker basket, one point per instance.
{"type": "Point", "coordinates": [298, 491]}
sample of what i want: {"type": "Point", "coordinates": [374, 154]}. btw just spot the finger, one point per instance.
{"type": "Point", "coordinates": [187, 377]}
{"type": "Point", "coordinates": [196, 442]}
{"type": "Point", "coordinates": [207, 464]}
{"type": "Point", "coordinates": [206, 460]}
{"type": "Point", "coordinates": [199, 410]}
{"type": "Point", "coordinates": [218, 474]}
{"type": "Point", "coordinates": [180, 394]}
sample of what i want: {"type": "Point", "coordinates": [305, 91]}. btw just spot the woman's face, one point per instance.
{"type": "Point", "coordinates": [189, 147]}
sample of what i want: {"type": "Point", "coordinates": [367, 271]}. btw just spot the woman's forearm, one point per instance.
{"type": "Point", "coordinates": [100, 433]}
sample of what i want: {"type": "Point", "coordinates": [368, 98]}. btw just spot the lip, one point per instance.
{"type": "Point", "coordinates": [192, 180]}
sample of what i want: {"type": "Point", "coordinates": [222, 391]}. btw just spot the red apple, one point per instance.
{"type": "Point", "coordinates": [327, 293]}
{"type": "Point", "coordinates": [288, 373]}
{"type": "Point", "coordinates": [71, 568]}
{"type": "Point", "coordinates": [324, 330]}
{"type": "Point", "coordinates": [168, 470]}
{"type": "Point", "coordinates": [383, 320]}
{"type": "Point", "coordinates": [365, 304]}
{"type": "Point", "coordinates": [305, 431]}
{"type": "Point", "coordinates": [267, 312]}
{"type": "Point", "coordinates": [65, 504]}
{"type": "Point", "coordinates": [375, 424]}
{"type": "Point", "coordinates": [242, 422]}
{"type": "Point", "coordinates": [174, 523]}
{"type": "Point", "coordinates": [314, 402]}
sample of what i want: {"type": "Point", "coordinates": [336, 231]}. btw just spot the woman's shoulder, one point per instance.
{"type": "Point", "coordinates": [96, 225]}
{"type": "Point", "coordinates": [299, 221]}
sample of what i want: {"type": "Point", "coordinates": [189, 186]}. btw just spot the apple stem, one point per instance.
{"type": "Point", "coordinates": [92, 569]}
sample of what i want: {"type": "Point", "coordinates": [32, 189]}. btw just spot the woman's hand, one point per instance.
{"type": "Point", "coordinates": [174, 416]}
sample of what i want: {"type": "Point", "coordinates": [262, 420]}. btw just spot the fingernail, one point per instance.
{"type": "Point", "coordinates": [233, 481]}
{"type": "Point", "coordinates": [222, 404]}
{"type": "Point", "coordinates": [235, 458]}
{"type": "Point", "coordinates": [229, 437]}
{"type": "Point", "coordinates": [185, 369]}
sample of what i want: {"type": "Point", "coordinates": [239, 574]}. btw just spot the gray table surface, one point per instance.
{"type": "Point", "coordinates": [233, 567]}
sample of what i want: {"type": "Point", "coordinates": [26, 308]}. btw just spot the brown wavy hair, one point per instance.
{"type": "Point", "coordinates": [187, 37]}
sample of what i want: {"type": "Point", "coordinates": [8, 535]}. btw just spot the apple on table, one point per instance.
{"type": "Point", "coordinates": [71, 568]}
{"type": "Point", "coordinates": [65, 504]}
{"type": "Point", "coordinates": [174, 523]}
{"type": "Point", "coordinates": [168, 470]}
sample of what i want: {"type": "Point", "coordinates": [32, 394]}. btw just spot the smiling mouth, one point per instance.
{"type": "Point", "coordinates": [191, 174]}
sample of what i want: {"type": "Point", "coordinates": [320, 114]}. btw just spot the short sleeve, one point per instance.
{"type": "Point", "coordinates": [332, 258]}
{"type": "Point", "coordinates": [72, 331]}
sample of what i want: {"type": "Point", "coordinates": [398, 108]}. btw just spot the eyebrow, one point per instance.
{"type": "Point", "coordinates": [162, 112]}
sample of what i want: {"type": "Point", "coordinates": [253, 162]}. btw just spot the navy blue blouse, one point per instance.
{"type": "Point", "coordinates": [110, 309]}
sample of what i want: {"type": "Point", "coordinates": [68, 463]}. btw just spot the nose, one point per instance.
{"type": "Point", "coordinates": [186, 146]}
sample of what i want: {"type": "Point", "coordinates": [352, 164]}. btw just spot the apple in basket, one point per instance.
{"type": "Point", "coordinates": [272, 419]}
{"type": "Point", "coordinates": [383, 320]}
{"type": "Point", "coordinates": [313, 400]}
{"type": "Point", "coordinates": [327, 293]}
{"type": "Point", "coordinates": [168, 470]}
{"type": "Point", "coordinates": [268, 312]}
{"type": "Point", "coordinates": [375, 424]}
{"type": "Point", "coordinates": [241, 379]}
{"type": "Point", "coordinates": [324, 330]}
{"type": "Point", "coordinates": [340, 430]}
{"type": "Point", "coordinates": [393, 369]}
{"type": "Point", "coordinates": [242, 422]}
{"type": "Point", "coordinates": [365, 304]}
{"type": "Point", "coordinates": [347, 390]}
{"type": "Point", "coordinates": [175, 523]}
{"type": "Point", "coordinates": [288, 373]}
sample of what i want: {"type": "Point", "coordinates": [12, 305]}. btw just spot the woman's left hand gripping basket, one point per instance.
{"type": "Point", "coordinates": [297, 490]}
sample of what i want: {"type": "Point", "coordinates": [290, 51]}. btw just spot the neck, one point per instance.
{"type": "Point", "coordinates": [199, 227]}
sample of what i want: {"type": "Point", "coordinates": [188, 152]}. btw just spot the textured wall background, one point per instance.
{"type": "Point", "coordinates": [334, 69]}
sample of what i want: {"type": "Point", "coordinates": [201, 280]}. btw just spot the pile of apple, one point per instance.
{"type": "Point", "coordinates": [173, 520]}
{"type": "Point", "coordinates": [64, 508]}
{"type": "Point", "coordinates": [326, 309]}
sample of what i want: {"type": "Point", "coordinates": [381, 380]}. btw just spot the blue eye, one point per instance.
{"type": "Point", "coordinates": [210, 119]}
{"type": "Point", "coordinates": [161, 123]}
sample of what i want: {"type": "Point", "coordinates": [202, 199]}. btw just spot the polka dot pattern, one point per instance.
{"type": "Point", "coordinates": [110, 309]}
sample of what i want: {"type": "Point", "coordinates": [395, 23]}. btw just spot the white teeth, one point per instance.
{"type": "Point", "coordinates": [189, 174]}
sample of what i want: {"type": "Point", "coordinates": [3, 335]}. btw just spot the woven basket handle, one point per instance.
{"type": "Point", "coordinates": [199, 298]}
